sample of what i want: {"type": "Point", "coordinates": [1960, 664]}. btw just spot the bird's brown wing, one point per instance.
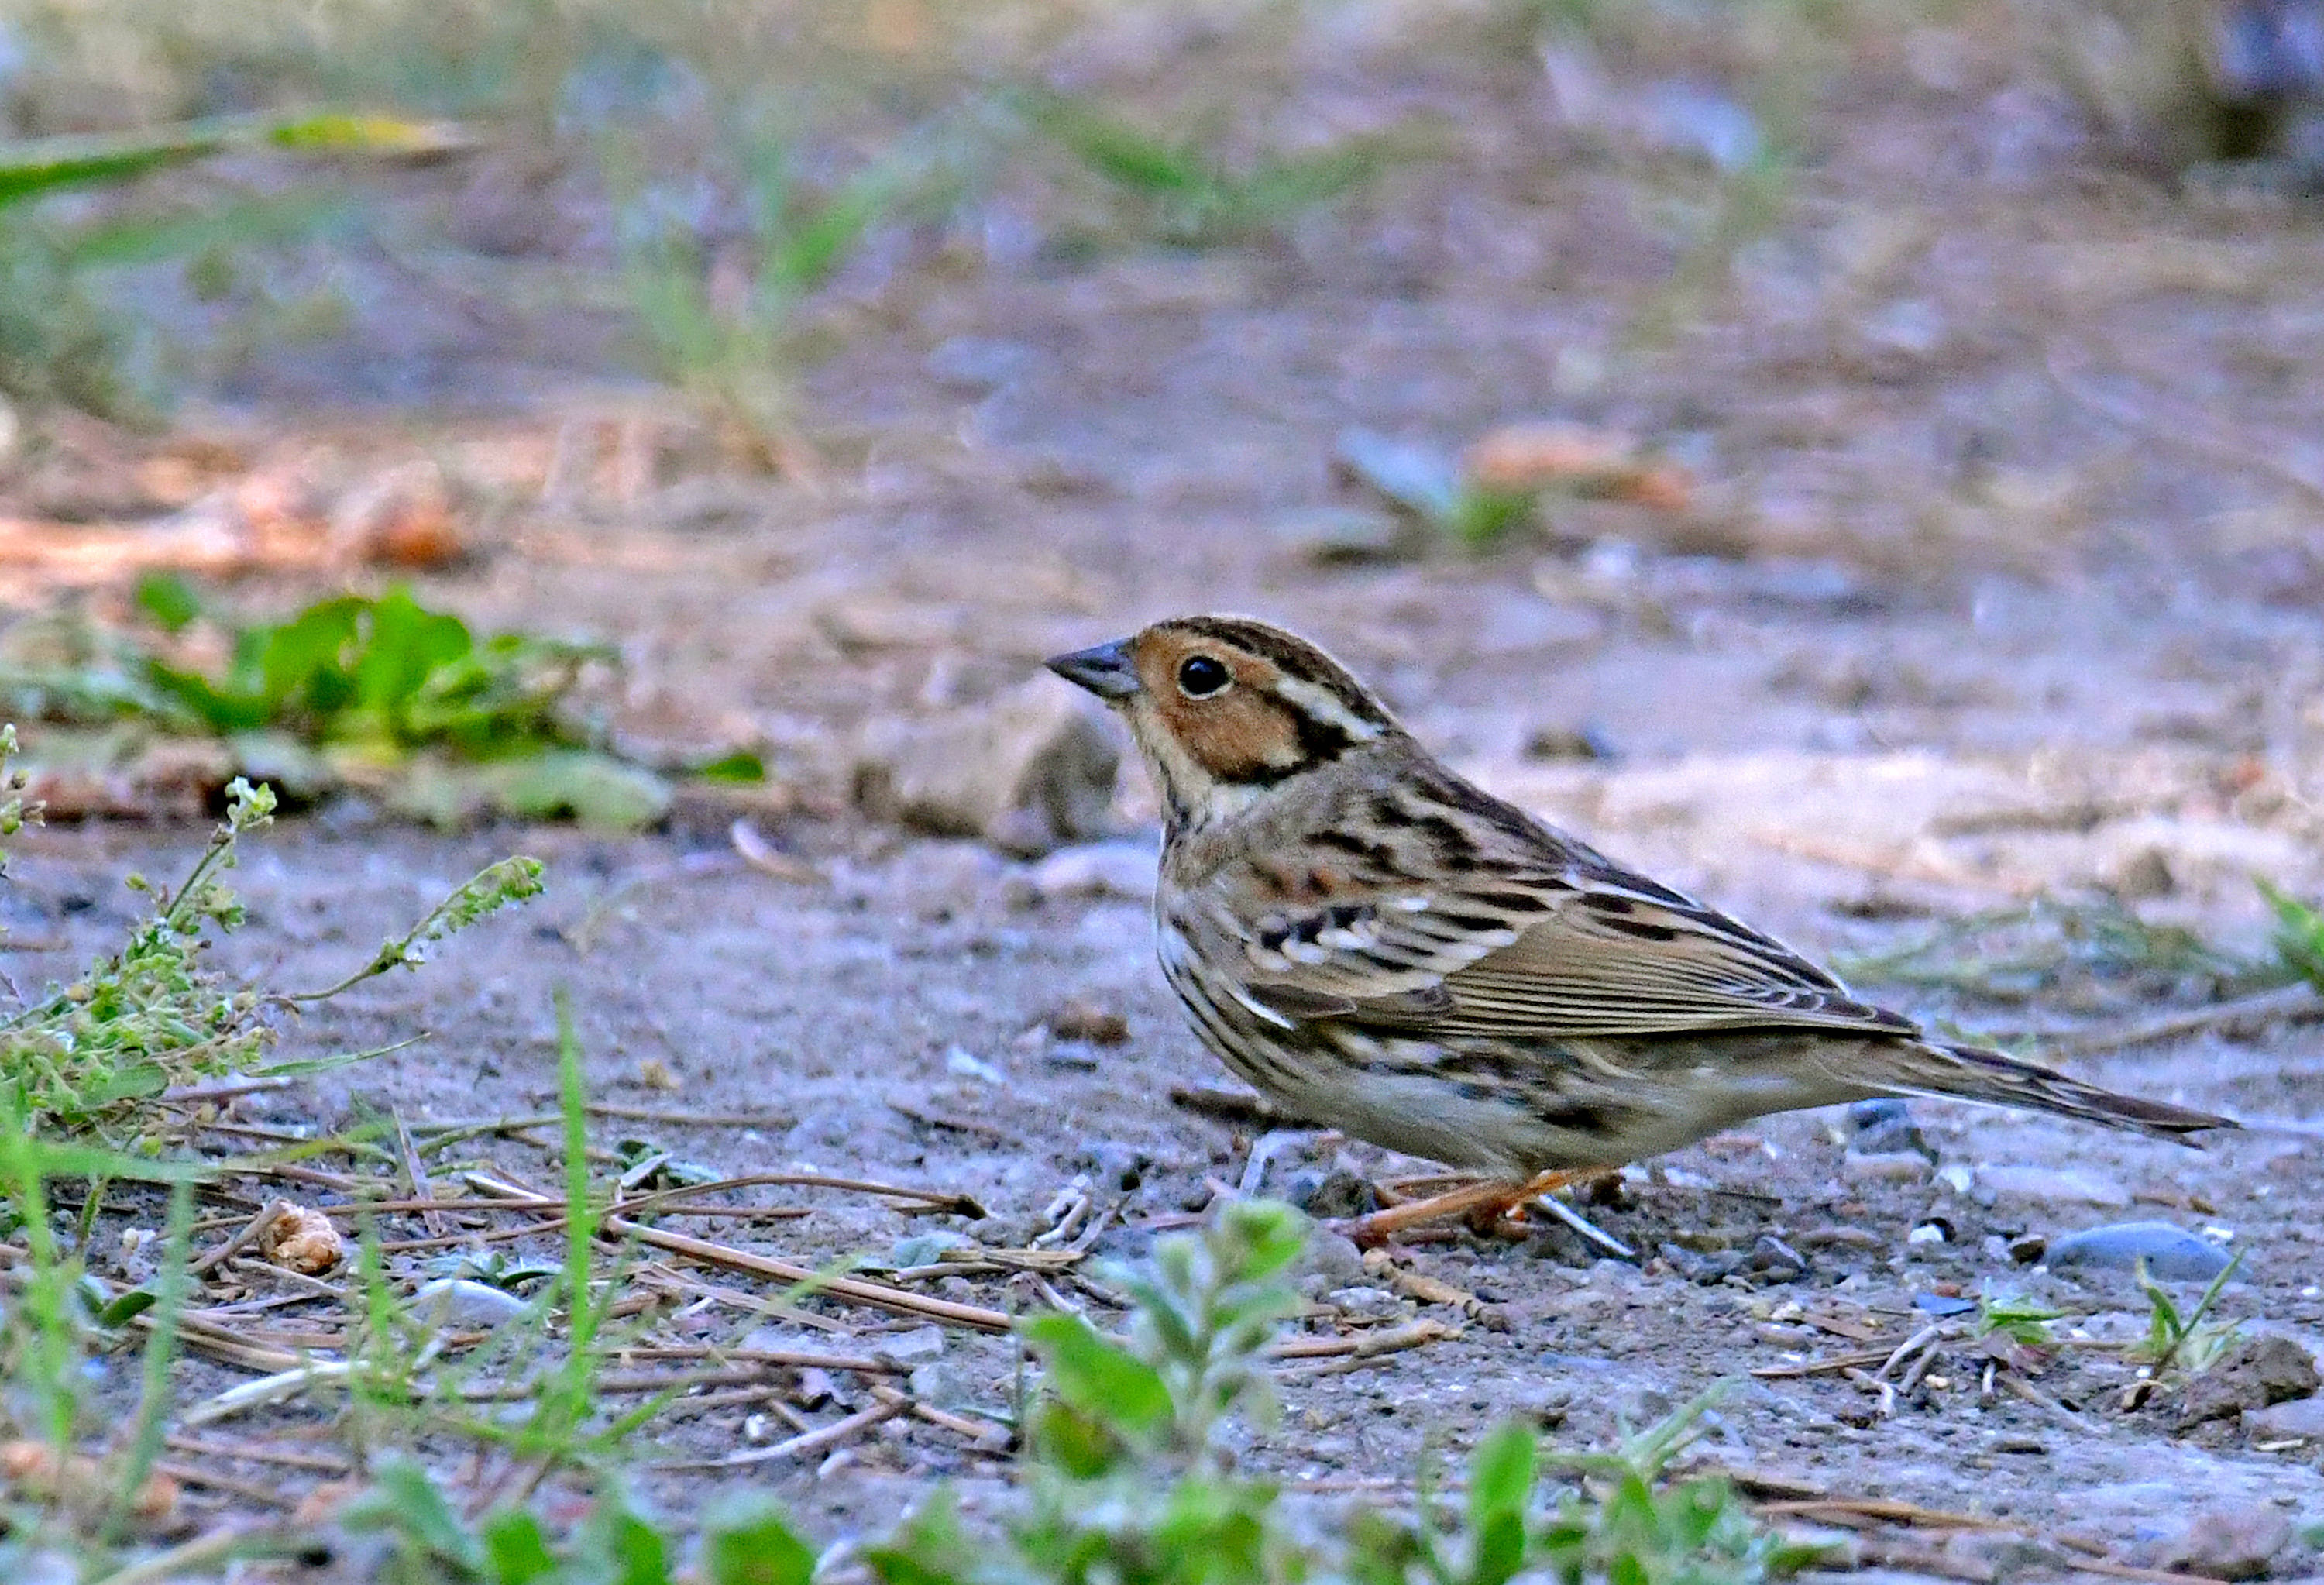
{"type": "Point", "coordinates": [1583, 949]}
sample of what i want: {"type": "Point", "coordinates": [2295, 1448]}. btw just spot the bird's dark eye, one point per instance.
{"type": "Point", "coordinates": [1200, 675]}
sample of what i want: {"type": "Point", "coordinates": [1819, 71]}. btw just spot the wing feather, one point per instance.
{"type": "Point", "coordinates": [1586, 950]}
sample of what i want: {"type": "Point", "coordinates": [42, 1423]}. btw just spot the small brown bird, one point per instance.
{"type": "Point", "coordinates": [1378, 945]}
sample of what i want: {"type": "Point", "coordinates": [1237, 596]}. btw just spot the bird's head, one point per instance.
{"type": "Point", "coordinates": [1226, 709]}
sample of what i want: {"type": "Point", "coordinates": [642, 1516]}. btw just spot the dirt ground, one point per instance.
{"type": "Point", "coordinates": [1999, 582]}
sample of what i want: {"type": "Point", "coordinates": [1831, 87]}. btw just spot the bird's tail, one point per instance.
{"type": "Point", "coordinates": [1974, 1073]}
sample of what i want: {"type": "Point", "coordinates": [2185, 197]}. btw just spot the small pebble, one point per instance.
{"type": "Point", "coordinates": [2172, 1253]}
{"type": "Point", "coordinates": [1078, 1020]}
{"type": "Point", "coordinates": [926, 1248]}
{"type": "Point", "coordinates": [1894, 1166]}
{"type": "Point", "coordinates": [1776, 1258]}
{"type": "Point", "coordinates": [1365, 1301]}
{"type": "Point", "coordinates": [462, 1302]}
{"type": "Point", "coordinates": [911, 1348]}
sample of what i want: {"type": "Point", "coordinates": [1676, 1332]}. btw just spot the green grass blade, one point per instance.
{"type": "Point", "coordinates": [43, 165]}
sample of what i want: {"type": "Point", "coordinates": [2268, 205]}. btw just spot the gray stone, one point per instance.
{"type": "Point", "coordinates": [926, 1248]}
{"type": "Point", "coordinates": [2301, 1417]}
{"type": "Point", "coordinates": [2172, 1253]}
{"type": "Point", "coordinates": [1777, 1259]}
{"type": "Point", "coordinates": [917, 1346]}
{"type": "Point", "coordinates": [1885, 1128]}
{"type": "Point", "coordinates": [1333, 1261]}
{"type": "Point", "coordinates": [1365, 1301]}
{"type": "Point", "coordinates": [1419, 478]}
{"type": "Point", "coordinates": [1029, 771]}
{"type": "Point", "coordinates": [2230, 1542]}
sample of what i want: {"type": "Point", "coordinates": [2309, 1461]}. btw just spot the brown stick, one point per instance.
{"type": "Point", "coordinates": [812, 1442]}
{"type": "Point", "coordinates": [852, 1289]}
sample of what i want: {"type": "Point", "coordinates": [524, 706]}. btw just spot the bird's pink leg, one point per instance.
{"type": "Point", "coordinates": [1497, 1198]}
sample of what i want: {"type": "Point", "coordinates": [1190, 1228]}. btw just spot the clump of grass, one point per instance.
{"type": "Point", "coordinates": [1186, 192]}
{"type": "Point", "coordinates": [2184, 1341]}
{"type": "Point", "coordinates": [1130, 1478]}
{"type": "Point", "coordinates": [154, 1014]}
{"type": "Point", "coordinates": [382, 673]}
{"type": "Point", "coordinates": [728, 331]}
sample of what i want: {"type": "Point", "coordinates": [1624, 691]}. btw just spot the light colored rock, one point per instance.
{"type": "Point", "coordinates": [2301, 1417]}
{"type": "Point", "coordinates": [1100, 869]}
{"type": "Point", "coordinates": [1029, 771]}
{"type": "Point", "coordinates": [915, 1347]}
{"type": "Point", "coordinates": [463, 1303]}
{"type": "Point", "coordinates": [2054, 1185]}
{"type": "Point", "coordinates": [1885, 1166]}
{"type": "Point", "coordinates": [1364, 1301]}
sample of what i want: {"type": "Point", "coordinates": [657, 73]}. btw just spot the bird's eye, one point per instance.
{"type": "Point", "coordinates": [1200, 675]}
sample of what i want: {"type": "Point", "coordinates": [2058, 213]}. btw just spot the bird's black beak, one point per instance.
{"type": "Point", "coordinates": [1106, 670]}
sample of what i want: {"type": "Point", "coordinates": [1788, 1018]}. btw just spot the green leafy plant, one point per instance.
{"type": "Point", "coordinates": [744, 1543]}
{"type": "Point", "coordinates": [381, 672]}
{"type": "Point", "coordinates": [2185, 1342]}
{"type": "Point", "coordinates": [1190, 195]}
{"type": "Point", "coordinates": [378, 691]}
{"type": "Point", "coordinates": [2299, 934]}
{"type": "Point", "coordinates": [2020, 1319]}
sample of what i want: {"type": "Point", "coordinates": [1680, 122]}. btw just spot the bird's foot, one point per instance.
{"type": "Point", "coordinates": [1485, 1205]}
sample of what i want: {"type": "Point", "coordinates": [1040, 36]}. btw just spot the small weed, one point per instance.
{"type": "Point", "coordinates": [2299, 934]}
{"type": "Point", "coordinates": [152, 1014]}
{"type": "Point", "coordinates": [1189, 195]}
{"type": "Point", "coordinates": [2188, 1342]}
{"type": "Point", "coordinates": [2019, 1319]}
{"type": "Point", "coordinates": [727, 330]}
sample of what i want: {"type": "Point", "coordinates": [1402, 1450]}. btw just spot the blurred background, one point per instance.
{"type": "Point", "coordinates": [1616, 380]}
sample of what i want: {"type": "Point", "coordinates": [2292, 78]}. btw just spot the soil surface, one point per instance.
{"type": "Point", "coordinates": [1997, 584]}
